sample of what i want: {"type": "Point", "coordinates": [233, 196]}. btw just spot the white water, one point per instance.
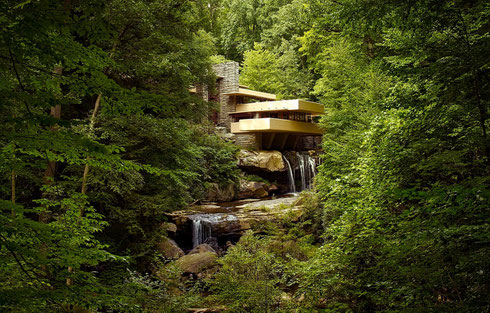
{"type": "Point", "coordinates": [307, 171]}
{"type": "Point", "coordinates": [301, 164]}
{"type": "Point", "coordinates": [202, 225]}
{"type": "Point", "coordinates": [292, 186]}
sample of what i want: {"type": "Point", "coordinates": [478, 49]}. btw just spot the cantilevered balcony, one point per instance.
{"type": "Point", "coordinates": [284, 116]}
{"type": "Point", "coordinates": [248, 93]}
{"type": "Point", "coordinates": [275, 125]}
{"type": "Point", "coordinates": [296, 105]}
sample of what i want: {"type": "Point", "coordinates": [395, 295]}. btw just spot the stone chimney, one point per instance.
{"type": "Point", "coordinates": [228, 74]}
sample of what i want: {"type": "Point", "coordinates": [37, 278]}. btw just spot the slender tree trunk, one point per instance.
{"type": "Point", "coordinates": [92, 123]}
{"type": "Point", "coordinates": [482, 109]}
{"type": "Point", "coordinates": [69, 280]}
{"type": "Point", "coordinates": [12, 188]}
{"type": "Point", "coordinates": [50, 172]}
{"type": "Point", "coordinates": [56, 113]}
{"type": "Point", "coordinates": [13, 193]}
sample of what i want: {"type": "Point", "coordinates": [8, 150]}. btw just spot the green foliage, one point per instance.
{"type": "Point", "coordinates": [404, 177]}
{"type": "Point", "coordinates": [274, 72]}
{"type": "Point", "coordinates": [402, 202]}
{"type": "Point", "coordinates": [251, 177]}
{"type": "Point", "coordinates": [308, 228]}
{"type": "Point", "coordinates": [35, 256]}
{"type": "Point", "coordinates": [248, 278]}
{"type": "Point", "coordinates": [145, 293]}
{"type": "Point", "coordinates": [142, 149]}
{"type": "Point", "coordinates": [185, 160]}
{"type": "Point", "coordinates": [242, 24]}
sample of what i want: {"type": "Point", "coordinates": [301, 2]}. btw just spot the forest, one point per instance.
{"type": "Point", "coordinates": [102, 143]}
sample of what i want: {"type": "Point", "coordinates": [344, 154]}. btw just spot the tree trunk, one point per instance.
{"type": "Point", "coordinates": [482, 109]}
{"type": "Point", "coordinates": [13, 193]}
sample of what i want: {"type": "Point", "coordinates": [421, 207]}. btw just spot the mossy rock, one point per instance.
{"type": "Point", "coordinates": [196, 263]}
{"type": "Point", "coordinates": [169, 249]}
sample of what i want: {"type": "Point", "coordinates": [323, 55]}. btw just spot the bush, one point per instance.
{"type": "Point", "coordinates": [249, 277]}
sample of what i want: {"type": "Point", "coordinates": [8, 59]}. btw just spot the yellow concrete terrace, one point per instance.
{"type": "Point", "coordinates": [297, 105]}
{"type": "Point", "coordinates": [245, 92]}
{"type": "Point", "coordinates": [285, 116]}
{"type": "Point", "coordinates": [275, 125]}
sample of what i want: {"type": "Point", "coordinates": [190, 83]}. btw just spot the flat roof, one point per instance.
{"type": "Point", "coordinates": [296, 105]}
{"type": "Point", "coordinates": [244, 92]}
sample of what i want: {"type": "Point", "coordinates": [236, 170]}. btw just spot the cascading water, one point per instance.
{"type": "Point", "coordinates": [292, 187]}
{"type": "Point", "coordinates": [202, 225]}
{"type": "Point", "coordinates": [302, 172]}
{"type": "Point", "coordinates": [312, 169]}
{"type": "Point", "coordinates": [307, 171]}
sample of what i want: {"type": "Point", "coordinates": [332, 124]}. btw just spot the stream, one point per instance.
{"type": "Point", "coordinates": [207, 217]}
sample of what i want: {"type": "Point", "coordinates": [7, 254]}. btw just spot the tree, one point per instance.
{"type": "Point", "coordinates": [243, 23]}
{"type": "Point", "coordinates": [132, 60]}
{"type": "Point", "coordinates": [275, 72]}
{"type": "Point", "coordinates": [405, 173]}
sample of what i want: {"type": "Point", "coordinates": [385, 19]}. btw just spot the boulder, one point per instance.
{"type": "Point", "coordinates": [237, 227]}
{"type": "Point", "coordinates": [169, 249]}
{"type": "Point", "coordinates": [196, 263]}
{"type": "Point", "coordinates": [217, 193]}
{"type": "Point", "coordinates": [252, 189]}
{"type": "Point", "coordinates": [273, 188]}
{"type": "Point", "coordinates": [271, 161]}
{"type": "Point", "coordinates": [204, 247]}
{"type": "Point", "coordinates": [170, 228]}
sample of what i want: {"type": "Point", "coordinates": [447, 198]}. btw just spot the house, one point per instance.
{"type": "Point", "coordinates": [258, 120]}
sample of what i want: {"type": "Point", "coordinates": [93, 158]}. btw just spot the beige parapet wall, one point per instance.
{"type": "Point", "coordinates": [282, 105]}
{"type": "Point", "coordinates": [275, 125]}
{"type": "Point", "coordinates": [244, 92]}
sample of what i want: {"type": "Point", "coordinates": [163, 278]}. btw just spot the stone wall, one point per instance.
{"type": "Point", "coordinates": [247, 141]}
{"type": "Point", "coordinates": [228, 82]}
{"type": "Point", "coordinates": [309, 143]}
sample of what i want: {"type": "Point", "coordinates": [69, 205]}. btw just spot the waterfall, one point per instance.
{"type": "Point", "coordinates": [292, 187]}
{"type": "Point", "coordinates": [307, 169]}
{"type": "Point", "coordinates": [202, 225]}
{"type": "Point", "coordinates": [311, 169]}
{"type": "Point", "coordinates": [301, 165]}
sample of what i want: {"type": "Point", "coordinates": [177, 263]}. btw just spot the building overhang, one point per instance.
{"type": "Point", "coordinates": [275, 125]}
{"type": "Point", "coordinates": [296, 105]}
{"type": "Point", "coordinates": [244, 92]}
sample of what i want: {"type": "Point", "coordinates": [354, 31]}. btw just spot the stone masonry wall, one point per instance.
{"type": "Point", "coordinates": [309, 143]}
{"type": "Point", "coordinates": [228, 83]}
{"type": "Point", "coordinates": [246, 141]}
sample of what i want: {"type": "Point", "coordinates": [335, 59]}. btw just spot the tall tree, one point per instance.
{"type": "Point", "coordinates": [405, 173]}
{"type": "Point", "coordinates": [137, 60]}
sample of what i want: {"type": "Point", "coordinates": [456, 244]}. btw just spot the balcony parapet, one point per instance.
{"type": "Point", "coordinates": [275, 125]}
{"type": "Point", "coordinates": [297, 105]}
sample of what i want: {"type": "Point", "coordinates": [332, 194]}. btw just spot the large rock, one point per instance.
{"type": "Point", "coordinates": [196, 263]}
{"type": "Point", "coordinates": [169, 249]}
{"type": "Point", "coordinates": [252, 189]}
{"type": "Point", "coordinates": [204, 247]}
{"type": "Point", "coordinates": [267, 160]}
{"type": "Point", "coordinates": [217, 193]}
{"type": "Point", "coordinates": [170, 228]}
